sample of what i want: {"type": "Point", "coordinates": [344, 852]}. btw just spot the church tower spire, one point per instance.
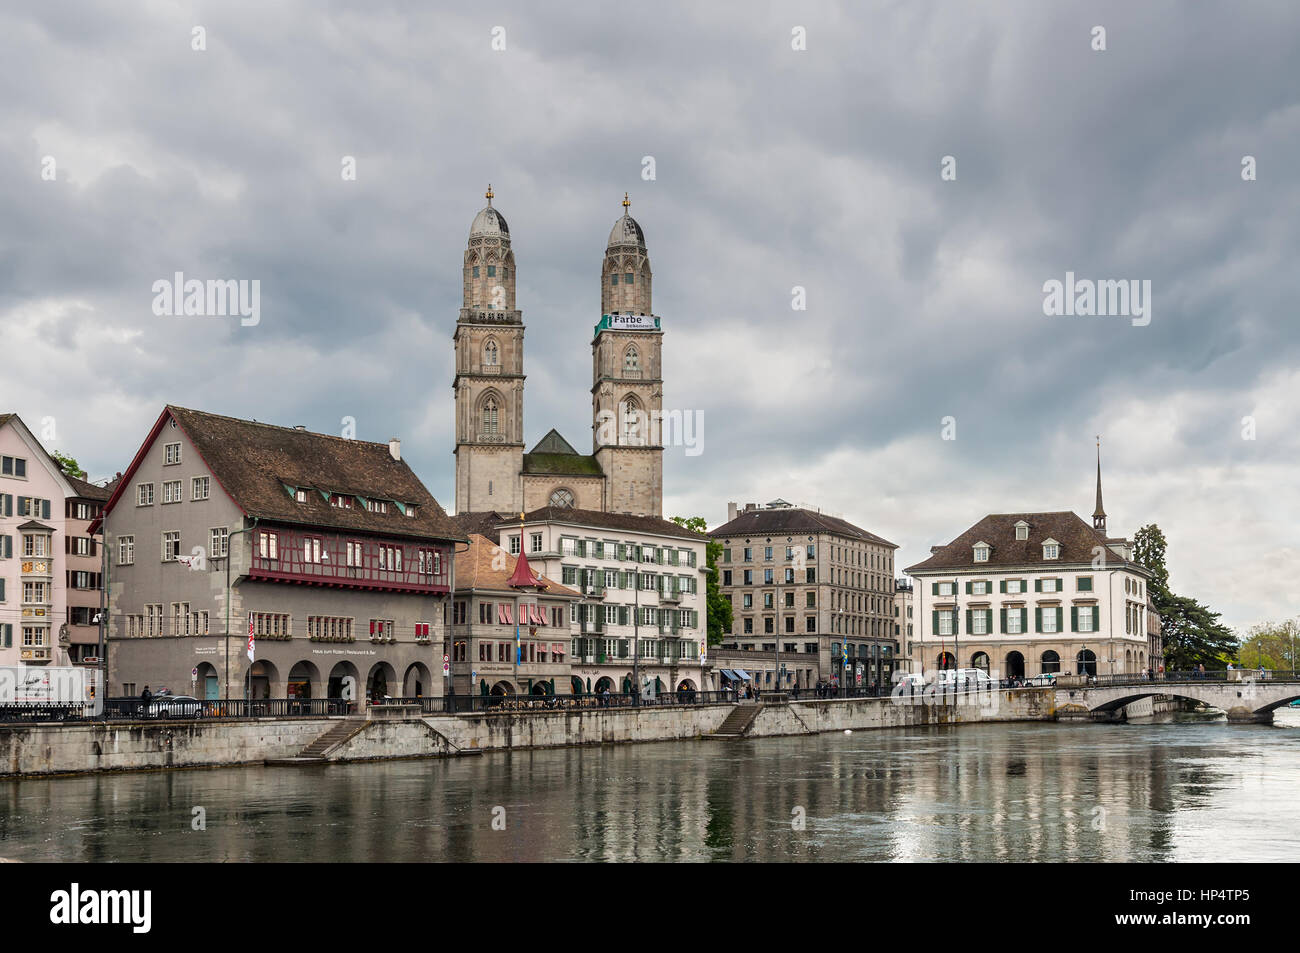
{"type": "Point", "coordinates": [489, 383]}
{"type": "Point", "coordinates": [627, 376]}
{"type": "Point", "coordinates": [1099, 514]}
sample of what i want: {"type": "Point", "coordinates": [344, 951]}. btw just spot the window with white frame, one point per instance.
{"type": "Point", "coordinates": [1013, 621]}
{"type": "Point", "coordinates": [1014, 586]}
{"type": "Point", "coordinates": [144, 494]}
{"type": "Point", "coordinates": [199, 487]}
{"type": "Point", "coordinates": [1049, 585]}
{"type": "Point", "coordinates": [514, 545]}
{"type": "Point", "coordinates": [1085, 618]}
{"type": "Point", "coordinates": [171, 491]}
{"type": "Point", "coordinates": [125, 550]}
{"type": "Point", "coordinates": [1049, 619]}
{"type": "Point", "coordinates": [945, 588]}
{"type": "Point", "coordinates": [171, 454]}
{"type": "Point", "coordinates": [535, 542]}
{"type": "Point", "coordinates": [171, 545]}
{"type": "Point", "coordinates": [981, 554]}
{"type": "Point", "coordinates": [980, 622]}
{"type": "Point", "coordinates": [219, 541]}
{"type": "Point", "coordinates": [1051, 549]}
{"type": "Point", "coordinates": [945, 622]}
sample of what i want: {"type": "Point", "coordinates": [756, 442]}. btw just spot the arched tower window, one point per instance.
{"type": "Point", "coordinates": [561, 497]}
{"type": "Point", "coordinates": [632, 425]}
{"type": "Point", "coordinates": [489, 415]}
{"type": "Point", "coordinates": [631, 359]}
{"type": "Point", "coordinates": [491, 354]}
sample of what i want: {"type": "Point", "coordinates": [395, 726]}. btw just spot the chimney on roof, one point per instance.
{"type": "Point", "coordinates": [395, 448]}
{"type": "Point", "coordinates": [731, 512]}
{"type": "Point", "coordinates": [750, 507]}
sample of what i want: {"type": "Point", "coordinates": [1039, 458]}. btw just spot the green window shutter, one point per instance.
{"type": "Point", "coordinates": [22, 503]}
{"type": "Point", "coordinates": [934, 588]}
{"type": "Point", "coordinates": [1003, 620]}
{"type": "Point", "coordinates": [2, 589]}
{"type": "Point", "coordinates": [1096, 618]}
{"type": "Point", "coordinates": [969, 627]}
{"type": "Point", "coordinates": [8, 499]}
{"type": "Point", "coordinates": [1060, 619]}
{"type": "Point", "coordinates": [8, 635]}
{"type": "Point", "coordinates": [1074, 618]}
{"type": "Point", "coordinates": [622, 615]}
{"type": "Point", "coordinates": [45, 509]}
{"type": "Point", "coordinates": [1002, 586]}
{"type": "Point", "coordinates": [1038, 619]}
{"type": "Point", "coordinates": [968, 587]}
{"type": "Point", "coordinates": [935, 622]}
{"type": "Point", "coordinates": [1038, 585]}
{"type": "Point", "coordinates": [1024, 620]}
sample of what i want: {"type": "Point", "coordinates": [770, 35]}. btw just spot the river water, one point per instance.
{"type": "Point", "coordinates": [1173, 790]}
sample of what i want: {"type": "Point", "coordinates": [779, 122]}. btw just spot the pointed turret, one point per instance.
{"type": "Point", "coordinates": [1099, 514]}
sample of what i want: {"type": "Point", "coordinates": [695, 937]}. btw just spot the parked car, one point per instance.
{"type": "Point", "coordinates": [175, 706]}
{"type": "Point", "coordinates": [1045, 680]}
{"type": "Point", "coordinates": [966, 678]}
{"type": "Point", "coordinates": [911, 682]}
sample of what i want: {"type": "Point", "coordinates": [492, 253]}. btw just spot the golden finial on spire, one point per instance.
{"type": "Point", "coordinates": [488, 195]}
{"type": "Point", "coordinates": [627, 203]}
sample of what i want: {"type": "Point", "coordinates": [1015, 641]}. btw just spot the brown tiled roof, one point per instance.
{"type": "Point", "coordinates": [254, 462]}
{"type": "Point", "coordinates": [1077, 539]}
{"type": "Point", "coordinates": [483, 522]}
{"type": "Point", "coordinates": [486, 566]}
{"type": "Point", "coordinates": [602, 520]}
{"type": "Point", "coordinates": [88, 491]}
{"type": "Point", "coordinates": [793, 520]}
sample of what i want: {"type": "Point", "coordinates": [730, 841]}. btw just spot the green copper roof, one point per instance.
{"type": "Point", "coordinates": [568, 464]}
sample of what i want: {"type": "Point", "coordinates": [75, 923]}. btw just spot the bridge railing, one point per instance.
{"type": "Point", "coordinates": [1195, 677]}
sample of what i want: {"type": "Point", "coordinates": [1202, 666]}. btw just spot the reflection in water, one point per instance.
{"type": "Point", "coordinates": [1192, 790]}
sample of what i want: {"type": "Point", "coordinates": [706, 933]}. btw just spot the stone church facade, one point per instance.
{"type": "Point", "coordinates": [624, 471]}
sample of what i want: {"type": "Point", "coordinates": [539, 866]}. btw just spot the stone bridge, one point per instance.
{"type": "Point", "coordinates": [1243, 695]}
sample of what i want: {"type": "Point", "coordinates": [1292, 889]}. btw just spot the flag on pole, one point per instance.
{"type": "Point", "coordinates": [251, 642]}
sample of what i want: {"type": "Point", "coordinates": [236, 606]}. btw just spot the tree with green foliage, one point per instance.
{"type": "Point", "coordinates": [1193, 634]}
{"type": "Point", "coordinates": [70, 466]}
{"type": "Point", "coordinates": [1271, 645]}
{"type": "Point", "coordinates": [718, 606]}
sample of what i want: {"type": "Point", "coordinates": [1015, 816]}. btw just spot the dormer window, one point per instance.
{"type": "Point", "coordinates": [377, 506]}
{"type": "Point", "coordinates": [1022, 529]}
{"type": "Point", "coordinates": [1051, 549]}
{"type": "Point", "coordinates": [981, 552]}
{"type": "Point", "coordinates": [300, 496]}
{"type": "Point", "coordinates": [343, 502]}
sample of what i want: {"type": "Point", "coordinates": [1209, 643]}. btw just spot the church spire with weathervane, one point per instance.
{"type": "Point", "coordinates": [1099, 514]}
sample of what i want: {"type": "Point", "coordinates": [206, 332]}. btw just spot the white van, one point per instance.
{"type": "Point", "coordinates": [966, 678]}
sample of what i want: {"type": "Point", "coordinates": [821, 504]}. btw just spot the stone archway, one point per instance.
{"type": "Point", "coordinates": [503, 688]}
{"type": "Point", "coordinates": [262, 680]}
{"type": "Point", "coordinates": [980, 660]}
{"type": "Point", "coordinates": [381, 682]}
{"type": "Point", "coordinates": [1051, 662]}
{"type": "Point", "coordinates": [417, 682]}
{"type": "Point", "coordinates": [304, 680]}
{"type": "Point", "coordinates": [945, 661]}
{"type": "Point", "coordinates": [1085, 662]}
{"type": "Point", "coordinates": [1015, 665]}
{"type": "Point", "coordinates": [344, 682]}
{"type": "Point", "coordinates": [207, 684]}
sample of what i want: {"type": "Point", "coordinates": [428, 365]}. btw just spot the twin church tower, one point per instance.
{"type": "Point", "coordinates": [624, 472]}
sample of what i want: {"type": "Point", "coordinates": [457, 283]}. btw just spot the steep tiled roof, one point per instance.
{"type": "Point", "coordinates": [1077, 539]}
{"type": "Point", "coordinates": [88, 491]}
{"type": "Point", "coordinates": [483, 522]}
{"type": "Point", "coordinates": [254, 462]}
{"type": "Point", "coordinates": [486, 566]}
{"type": "Point", "coordinates": [793, 520]}
{"type": "Point", "coordinates": [600, 520]}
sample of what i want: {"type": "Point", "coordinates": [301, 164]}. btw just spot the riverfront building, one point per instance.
{"type": "Point", "coordinates": [510, 625]}
{"type": "Point", "coordinates": [1020, 594]}
{"type": "Point", "coordinates": [640, 586]}
{"type": "Point", "coordinates": [624, 472]}
{"type": "Point", "coordinates": [820, 587]}
{"type": "Point", "coordinates": [50, 572]}
{"type": "Point", "coordinates": [330, 550]}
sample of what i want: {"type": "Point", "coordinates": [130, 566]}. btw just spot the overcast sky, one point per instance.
{"type": "Point", "coordinates": [774, 168]}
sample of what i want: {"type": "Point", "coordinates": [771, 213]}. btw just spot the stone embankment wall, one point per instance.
{"type": "Point", "coordinates": [79, 748]}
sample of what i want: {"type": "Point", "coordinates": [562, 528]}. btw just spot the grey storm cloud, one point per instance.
{"type": "Point", "coordinates": [774, 169]}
